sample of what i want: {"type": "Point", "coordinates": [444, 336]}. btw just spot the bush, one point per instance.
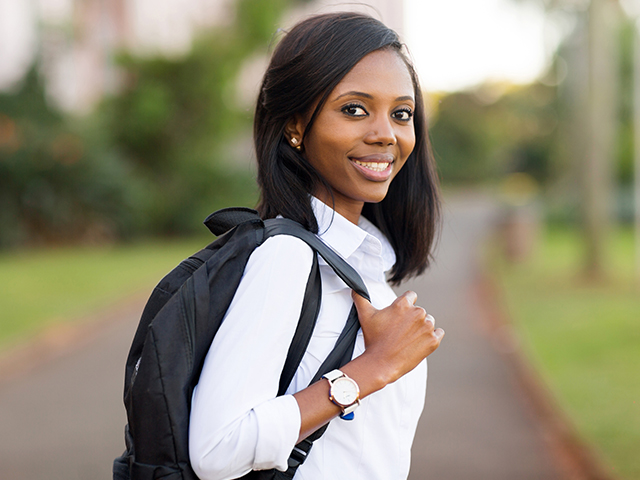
{"type": "Point", "coordinates": [174, 117]}
{"type": "Point", "coordinates": [57, 183]}
{"type": "Point", "coordinates": [483, 134]}
{"type": "Point", "coordinates": [149, 160]}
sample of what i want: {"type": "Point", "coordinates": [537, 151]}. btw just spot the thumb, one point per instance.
{"type": "Point", "coordinates": [363, 306]}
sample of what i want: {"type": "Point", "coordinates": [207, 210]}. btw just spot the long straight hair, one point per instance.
{"type": "Point", "coordinates": [305, 67]}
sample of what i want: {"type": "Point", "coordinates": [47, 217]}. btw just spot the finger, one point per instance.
{"type": "Point", "coordinates": [429, 319]}
{"type": "Point", "coordinates": [439, 333]}
{"type": "Point", "coordinates": [410, 296]}
{"type": "Point", "coordinates": [363, 306]}
{"type": "Point", "coordinates": [420, 312]}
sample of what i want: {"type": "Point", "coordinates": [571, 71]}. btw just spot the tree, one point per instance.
{"type": "Point", "coordinates": [174, 115]}
{"type": "Point", "coordinates": [591, 96]}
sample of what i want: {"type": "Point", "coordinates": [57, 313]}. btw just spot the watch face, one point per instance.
{"type": "Point", "coordinates": [345, 391]}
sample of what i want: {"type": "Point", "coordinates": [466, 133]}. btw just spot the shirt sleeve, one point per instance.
{"type": "Point", "coordinates": [237, 423]}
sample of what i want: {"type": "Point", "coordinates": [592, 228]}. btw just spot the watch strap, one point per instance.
{"type": "Point", "coordinates": [333, 375]}
{"type": "Point", "coordinates": [350, 409]}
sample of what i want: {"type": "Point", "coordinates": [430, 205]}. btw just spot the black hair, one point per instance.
{"type": "Point", "coordinates": [305, 67]}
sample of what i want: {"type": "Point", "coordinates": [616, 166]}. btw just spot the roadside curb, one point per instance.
{"type": "Point", "coordinates": [64, 338]}
{"type": "Point", "coordinates": [576, 459]}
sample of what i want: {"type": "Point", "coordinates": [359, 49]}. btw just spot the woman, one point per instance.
{"type": "Point", "coordinates": [341, 142]}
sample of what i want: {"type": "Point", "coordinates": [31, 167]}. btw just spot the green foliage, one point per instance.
{"type": "Point", "coordinates": [57, 182]}
{"type": "Point", "coordinates": [584, 339]}
{"type": "Point", "coordinates": [256, 21]}
{"type": "Point", "coordinates": [174, 116]}
{"type": "Point", "coordinates": [484, 134]}
{"type": "Point", "coordinates": [149, 160]}
{"type": "Point", "coordinates": [625, 141]}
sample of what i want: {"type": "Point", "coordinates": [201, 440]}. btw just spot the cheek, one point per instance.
{"type": "Point", "coordinates": [407, 143]}
{"type": "Point", "coordinates": [327, 146]}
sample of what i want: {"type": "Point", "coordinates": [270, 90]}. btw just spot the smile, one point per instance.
{"type": "Point", "coordinates": [375, 166]}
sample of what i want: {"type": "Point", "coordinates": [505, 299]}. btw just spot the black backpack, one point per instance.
{"type": "Point", "coordinates": [175, 332]}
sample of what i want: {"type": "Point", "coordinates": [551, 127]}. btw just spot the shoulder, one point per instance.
{"type": "Point", "coordinates": [285, 245]}
{"type": "Point", "coordinates": [283, 256]}
{"type": "Point", "coordinates": [274, 279]}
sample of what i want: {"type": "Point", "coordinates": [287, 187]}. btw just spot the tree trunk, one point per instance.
{"type": "Point", "coordinates": [600, 131]}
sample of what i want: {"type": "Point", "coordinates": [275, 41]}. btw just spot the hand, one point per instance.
{"type": "Point", "coordinates": [398, 337]}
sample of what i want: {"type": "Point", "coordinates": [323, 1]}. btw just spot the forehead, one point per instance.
{"type": "Point", "coordinates": [382, 73]}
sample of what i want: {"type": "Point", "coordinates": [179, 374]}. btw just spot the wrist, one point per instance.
{"type": "Point", "coordinates": [344, 392]}
{"type": "Point", "coordinates": [369, 375]}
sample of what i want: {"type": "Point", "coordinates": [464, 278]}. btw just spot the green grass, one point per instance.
{"type": "Point", "coordinates": [41, 287]}
{"type": "Point", "coordinates": [584, 337]}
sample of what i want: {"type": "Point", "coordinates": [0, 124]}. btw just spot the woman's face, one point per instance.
{"type": "Point", "coordinates": [364, 133]}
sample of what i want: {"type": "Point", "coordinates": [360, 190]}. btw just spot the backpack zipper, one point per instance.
{"type": "Point", "coordinates": [135, 372]}
{"type": "Point", "coordinates": [187, 304]}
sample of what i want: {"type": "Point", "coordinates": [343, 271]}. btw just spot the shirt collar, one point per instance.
{"type": "Point", "coordinates": [386, 250]}
{"type": "Point", "coordinates": [346, 238]}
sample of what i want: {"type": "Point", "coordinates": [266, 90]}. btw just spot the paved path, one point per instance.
{"type": "Point", "coordinates": [475, 425]}
{"type": "Point", "coordinates": [64, 419]}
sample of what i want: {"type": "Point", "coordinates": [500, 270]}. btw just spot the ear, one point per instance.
{"type": "Point", "coordinates": [294, 129]}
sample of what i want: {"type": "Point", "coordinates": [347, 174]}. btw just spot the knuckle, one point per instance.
{"type": "Point", "coordinates": [402, 304]}
{"type": "Point", "coordinates": [410, 296]}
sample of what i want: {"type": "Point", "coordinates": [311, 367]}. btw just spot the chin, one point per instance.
{"type": "Point", "coordinates": [376, 198]}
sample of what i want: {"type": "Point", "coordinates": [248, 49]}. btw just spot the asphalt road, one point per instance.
{"type": "Point", "coordinates": [62, 418]}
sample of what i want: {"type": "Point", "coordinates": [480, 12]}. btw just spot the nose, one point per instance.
{"type": "Point", "coordinates": [382, 132]}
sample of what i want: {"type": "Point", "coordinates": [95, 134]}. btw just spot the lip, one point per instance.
{"type": "Point", "coordinates": [374, 175]}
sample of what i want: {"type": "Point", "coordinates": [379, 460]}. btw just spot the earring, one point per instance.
{"type": "Point", "coordinates": [294, 142]}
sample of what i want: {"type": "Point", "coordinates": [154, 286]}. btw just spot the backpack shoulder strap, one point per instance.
{"type": "Point", "coordinates": [284, 226]}
{"type": "Point", "coordinates": [304, 330]}
{"type": "Point", "coordinates": [311, 303]}
{"type": "Point", "coordinates": [224, 220]}
{"type": "Point", "coordinates": [343, 349]}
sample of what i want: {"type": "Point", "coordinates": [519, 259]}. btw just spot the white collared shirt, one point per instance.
{"type": "Point", "coordinates": [238, 424]}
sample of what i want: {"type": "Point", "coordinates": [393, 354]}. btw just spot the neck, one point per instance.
{"type": "Point", "coordinates": [348, 208]}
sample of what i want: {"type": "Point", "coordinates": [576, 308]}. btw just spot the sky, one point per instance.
{"type": "Point", "coordinates": [457, 44]}
{"type": "Point", "coordinates": [15, 29]}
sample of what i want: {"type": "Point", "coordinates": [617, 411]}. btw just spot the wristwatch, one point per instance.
{"type": "Point", "coordinates": [344, 392]}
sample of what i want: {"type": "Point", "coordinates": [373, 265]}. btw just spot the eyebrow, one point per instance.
{"type": "Point", "coordinates": [369, 96]}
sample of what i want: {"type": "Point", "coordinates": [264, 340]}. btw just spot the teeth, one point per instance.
{"type": "Point", "coordinates": [375, 166]}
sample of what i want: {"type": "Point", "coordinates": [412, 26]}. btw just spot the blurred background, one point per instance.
{"type": "Point", "coordinates": [123, 123]}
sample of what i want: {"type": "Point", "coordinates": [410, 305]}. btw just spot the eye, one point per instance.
{"type": "Point", "coordinates": [354, 110]}
{"type": "Point", "coordinates": [404, 114]}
